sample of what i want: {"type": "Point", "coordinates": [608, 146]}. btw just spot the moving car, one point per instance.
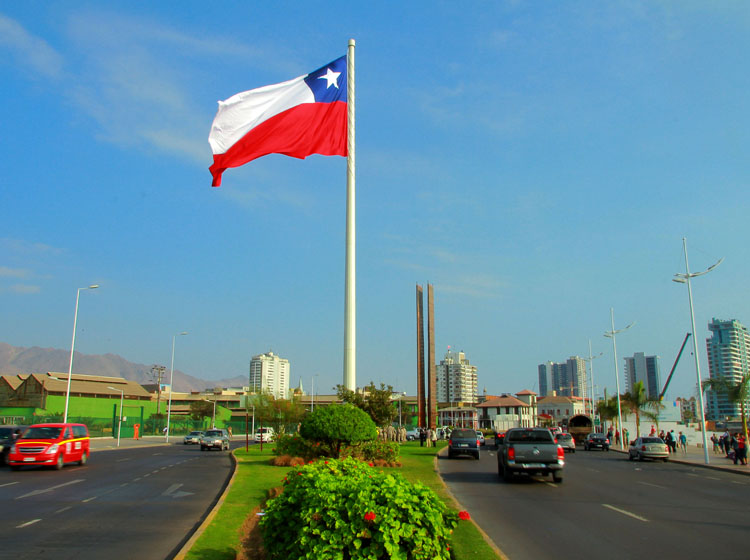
{"type": "Point", "coordinates": [51, 445]}
{"type": "Point", "coordinates": [463, 442]}
{"type": "Point", "coordinates": [567, 442]}
{"type": "Point", "coordinates": [648, 447]}
{"type": "Point", "coordinates": [193, 437]}
{"type": "Point", "coordinates": [480, 437]}
{"type": "Point", "coordinates": [264, 434]}
{"type": "Point", "coordinates": [596, 441]}
{"type": "Point", "coordinates": [215, 439]}
{"type": "Point", "coordinates": [530, 451]}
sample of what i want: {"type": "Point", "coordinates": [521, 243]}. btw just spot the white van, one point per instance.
{"type": "Point", "coordinates": [264, 434]}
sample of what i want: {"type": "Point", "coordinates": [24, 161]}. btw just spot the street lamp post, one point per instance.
{"type": "Point", "coordinates": [590, 360]}
{"type": "Point", "coordinates": [72, 349]}
{"type": "Point", "coordinates": [685, 279]}
{"type": "Point", "coordinates": [119, 423]}
{"type": "Point", "coordinates": [171, 377]}
{"type": "Point", "coordinates": [611, 334]}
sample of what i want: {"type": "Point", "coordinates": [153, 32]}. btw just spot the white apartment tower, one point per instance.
{"type": "Point", "coordinates": [456, 379]}
{"type": "Point", "coordinates": [270, 373]}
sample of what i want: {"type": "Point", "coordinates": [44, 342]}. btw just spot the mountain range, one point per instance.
{"type": "Point", "coordinates": [15, 360]}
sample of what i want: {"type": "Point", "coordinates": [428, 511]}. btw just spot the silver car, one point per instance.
{"type": "Point", "coordinates": [648, 447]}
{"type": "Point", "coordinates": [567, 442]}
{"type": "Point", "coordinates": [215, 439]}
{"type": "Point", "coordinates": [193, 437]}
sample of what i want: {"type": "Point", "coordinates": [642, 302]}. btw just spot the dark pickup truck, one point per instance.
{"type": "Point", "coordinates": [530, 451]}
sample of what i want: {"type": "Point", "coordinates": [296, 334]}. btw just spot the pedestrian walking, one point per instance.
{"type": "Point", "coordinates": [433, 438]}
{"type": "Point", "coordinates": [674, 441]}
{"type": "Point", "coordinates": [625, 435]}
{"type": "Point", "coordinates": [715, 441]}
{"type": "Point", "coordinates": [683, 443]}
{"type": "Point", "coordinates": [422, 437]}
{"type": "Point", "coordinates": [741, 452]}
{"type": "Point", "coordinates": [668, 440]}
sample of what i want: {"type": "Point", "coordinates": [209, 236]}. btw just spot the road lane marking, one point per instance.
{"type": "Point", "coordinates": [736, 482]}
{"type": "Point", "coordinates": [624, 512]}
{"type": "Point", "coordinates": [145, 475]}
{"type": "Point", "coordinates": [171, 489]}
{"type": "Point", "coordinates": [711, 478]}
{"type": "Point", "coordinates": [136, 479]}
{"type": "Point", "coordinates": [692, 474]}
{"type": "Point", "coordinates": [89, 499]}
{"type": "Point", "coordinates": [66, 508]}
{"type": "Point", "coordinates": [22, 525]}
{"type": "Point", "coordinates": [654, 485]}
{"type": "Point", "coordinates": [121, 460]}
{"type": "Point", "coordinates": [37, 492]}
{"type": "Point", "coordinates": [8, 484]}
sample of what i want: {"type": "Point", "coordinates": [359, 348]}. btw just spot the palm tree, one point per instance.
{"type": "Point", "coordinates": [607, 409]}
{"type": "Point", "coordinates": [637, 401]}
{"type": "Point", "coordinates": [735, 392]}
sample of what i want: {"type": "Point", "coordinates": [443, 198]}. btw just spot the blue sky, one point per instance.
{"type": "Point", "coordinates": [537, 162]}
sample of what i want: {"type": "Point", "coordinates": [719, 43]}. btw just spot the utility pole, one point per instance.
{"type": "Point", "coordinates": [157, 374]}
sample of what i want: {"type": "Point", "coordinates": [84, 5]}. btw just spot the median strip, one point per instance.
{"type": "Point", "coordinates": [624, 512]}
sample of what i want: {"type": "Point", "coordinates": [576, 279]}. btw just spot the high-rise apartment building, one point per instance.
{"type": "Point", "coordinates": [728, 358]}
{"type": "Point", "coordinates": [644, 368]}
{"type": "Point", "coordinates": [563, 378]}
{"type": "Point", "coordinates": [456, 379]}
{"type": "Point", "coordinates": [270, 373]}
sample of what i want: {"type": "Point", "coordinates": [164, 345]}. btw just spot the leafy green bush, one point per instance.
{"type": "Point", "coordinates": [377, 450]}
{"type": "Point", "coordinates": [338, 425]}
{"type": "Point", "coordinates": [346, 509]}
{"type": "Point", "coordinates": [296, 446]}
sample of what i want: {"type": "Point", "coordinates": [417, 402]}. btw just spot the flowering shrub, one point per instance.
{"type": "Point", "coordinates": [296, 446]}
{"type": "Point", "coordinates": [377, 450]}
{"type": "Point", "coordinates": [346, 509]}
{"type": "Point", "coordinates": [337, 426]}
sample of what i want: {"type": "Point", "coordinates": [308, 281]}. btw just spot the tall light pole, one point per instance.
{"type": "Point", "coordinates": [685, 279]}
{"type": "Point", "coordinates": [72, 349]}
{"type": "Point", "coordinates": [119, 423]}
{"type": "Point", "coordinates": [590, 360]}
{"type": "Point", "coordinates": [611, 334]}
{"type": "Point", "coordinates": [171, 377]}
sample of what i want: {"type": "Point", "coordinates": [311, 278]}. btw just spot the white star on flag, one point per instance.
{"type": "Point", "coordinates": [331, 78]}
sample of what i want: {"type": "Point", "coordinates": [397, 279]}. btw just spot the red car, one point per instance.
{"type": "Point", "coordinates": [51, 445]}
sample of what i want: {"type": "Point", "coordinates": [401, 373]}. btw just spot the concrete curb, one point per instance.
{"type": "Point", "coordinates": [719, 468]}
{"type": "Point", "coordinates": [209, 517]}
{"type": "Point", "coordinates": [443, 452]}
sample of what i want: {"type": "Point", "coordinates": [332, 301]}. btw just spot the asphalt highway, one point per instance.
{"type": "Point", "coordinates": [606, 506]}
{"type": "Point", "coordinates": [136, 502]}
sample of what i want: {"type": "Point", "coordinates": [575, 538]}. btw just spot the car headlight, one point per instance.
{"type": "Point", "coordinates": [12, 448]}
{"type": "Point", "coordinates": [52, 448]}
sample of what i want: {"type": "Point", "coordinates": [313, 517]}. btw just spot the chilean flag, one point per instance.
{"type": "Point", "coordinates": [304, 116]}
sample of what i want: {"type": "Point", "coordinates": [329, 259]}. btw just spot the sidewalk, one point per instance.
{"type": "Point", "coordinates": [694, 456]}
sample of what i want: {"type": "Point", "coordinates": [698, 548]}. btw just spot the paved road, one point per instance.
{"type": "Point", "coordinates": [139, 501]}
{"type": "Point", "coordinates": [606, 506]}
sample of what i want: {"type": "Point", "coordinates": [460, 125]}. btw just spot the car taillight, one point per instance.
{"type": "Point", "coordinates": [606, 440]}
{"type": "Point", "coordinates": [477, 443]}
{"type": "Point", "coordinates": [511, 454]}
{"type": "Point", "coordinates": [450, 442]}
{"type": "Point", "coordinates": [560, 452]}
{"type": "Point", "coordinates": [643, 448]}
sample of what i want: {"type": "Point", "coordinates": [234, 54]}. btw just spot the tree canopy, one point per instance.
{"type": "Point", "coordinates": [338, 425]}
{"type": "Point", "coordinates": [378, 403]}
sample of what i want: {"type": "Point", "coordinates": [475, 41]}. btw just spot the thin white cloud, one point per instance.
{"type": "Point", "coordinates": [24, 289]}
{"type": "Point", "coordinates": [23, 247]}
{"type": "Point", "coordinates": [32, 51]}
{"type": "Point", "coordinates": [7, 272]}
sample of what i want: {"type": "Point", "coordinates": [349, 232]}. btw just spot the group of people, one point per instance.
{"type": "Point", "coordinates": [427, 437]}
{"type": "Point", "coordinates": [734, 446]}
{"type": "Point", "coordinates": [672, 440]}
{"type": "Point", "coordinates": [390, 433]}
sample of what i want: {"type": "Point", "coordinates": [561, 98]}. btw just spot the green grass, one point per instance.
{"type": "Point", "coordinates": [255, 476]}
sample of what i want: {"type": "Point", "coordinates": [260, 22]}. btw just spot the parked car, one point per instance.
{"type": "Point", "coordinates": [530, 451]}
{"type": "Point", "coordinates": [463, 442]}
{"type": "Point", "coordinates": [480, 437]}
{"type": "Point", "coordinates": [8, 435]}
{"type": "Point", "coordinates": [412, 435]}
{"type": "Point", "coordinates": [193, 437]}
{"type": "Point", "coordinates": [51, 445]}
{"type": "Point", "coordinates": [215, 439]}
{"type": "Point", "coordinates": [265, 435]}
{"type": "Point", "coordinates": [648, 447]}
{"type": "Point", "coordinates": [596, 441]}
{"type": "Point", "coordinates": [567, 442]}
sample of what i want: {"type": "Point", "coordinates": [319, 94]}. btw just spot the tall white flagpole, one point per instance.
{"type": "Point", "coordinates": [350, 303]}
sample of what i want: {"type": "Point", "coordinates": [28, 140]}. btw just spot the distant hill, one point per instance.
{"type": "Point", "coordinates": [14, 360]}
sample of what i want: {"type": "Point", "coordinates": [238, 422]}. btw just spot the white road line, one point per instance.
{"type": "Point", "coordinates": [736, 482]}
{"type": "Point", "coordinates": [121, 460]}
{"type": "Point", "coordinates": [124, 484]}
{"type": "Point", "coordinates": [22, 525]}
{"type": "Point", "coordinates": [8, 484]}
{"type": "Point", "coordinates": [171, 489]}
{"type": "Point", "coordinates": [147, 474]}
{"type": "Point", "coordinates": [89, 499]}
{"type": "Point", "coordinates": [550, 484]}
{"type": "Point", "coordinates": [624, 512]}
{"type": "Point", "coordinates": [37, 492]}
{"type": "Point", "coordinates": [66, 508]}
{"type": "Point", "coordinates": [692, 474]}
{"type": "Point", "coordinates": [136, 479]}
{"type": "Point", "coordinates": [654, 485]}
{"type": "Point", "coordinates": [711, 478]}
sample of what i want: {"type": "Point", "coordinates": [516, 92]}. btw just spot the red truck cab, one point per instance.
{"type": "Point", "coordinates": [51, 445]}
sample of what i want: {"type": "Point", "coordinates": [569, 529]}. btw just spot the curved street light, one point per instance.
{"type": "Point", "coordinates": [72, 348]}
{"type": "Point", "coordinates": [590, 360]}
{"type": "Point", "coordinates": [171, 376]}
{"type": "Point", "coordinates": [684, 278]}
{"type": "Point", "coordinates": [611, 334]}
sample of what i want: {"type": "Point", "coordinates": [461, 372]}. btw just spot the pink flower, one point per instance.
{"type": "Point", "coordinates": [464, 515]}
{"type": "Point", "coordinates": [370, 516]}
